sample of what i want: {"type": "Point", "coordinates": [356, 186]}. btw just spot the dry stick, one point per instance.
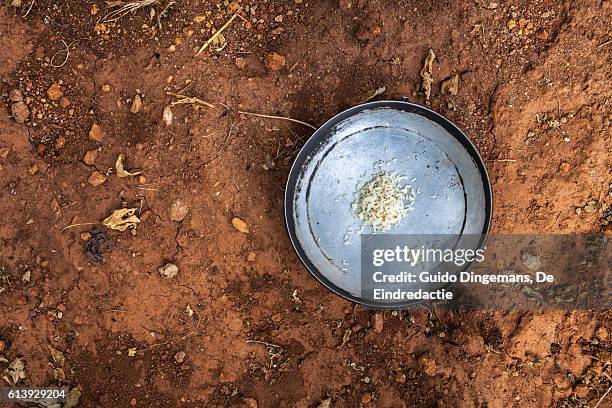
{"type": "Point", "coordinates": [602, 398]}
{"type": "Point", "coordinates": [175, 340]}
{"type": "Point", "coordinates": [265, 343]}
{"type": "Point", "coordinates": [259, 115]}
{"type": "Point", "coordinates": [212, 38]}
{"type": "Point", "coordinates": [184, 99]}
{"type": "Point", "coordinates": [79, 225]}
{"type": "Point", "coordinates": [30, 9]}
{"type": "Point", "coordinates": [66, 50]}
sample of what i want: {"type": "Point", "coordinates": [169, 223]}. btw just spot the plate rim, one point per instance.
{"type": "Point", "coordinates": [322, 133]}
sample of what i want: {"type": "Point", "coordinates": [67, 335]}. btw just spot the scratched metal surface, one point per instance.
{"type": "Point", "coordinates": [452, 194]}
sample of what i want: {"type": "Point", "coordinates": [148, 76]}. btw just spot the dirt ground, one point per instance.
{"type": "Point", "coordinates": [243, 324]}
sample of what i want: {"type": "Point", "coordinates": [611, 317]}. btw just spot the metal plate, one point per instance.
{"type": "Point", "coordinates": [438, 159]}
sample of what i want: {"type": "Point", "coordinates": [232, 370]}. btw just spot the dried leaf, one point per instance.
{"type": "Point", "coordinates": [72, 400]}
{"type": "Point", "coordinates": [27, 275]}
{"type": "Point", "coordinates": [122, 219]}
{"type": "Point", "coordinates": [427, 80]}
{"type": "Point", "coordinates": [240, 225]}
{"type": "Point", "coordinates": [15, 372]}
{"type": "Point", "coordinates": [167, 116]}
{"type": "Point", "coordinates": [219, 42]}
{"type": "Point", "coordinates": [450, 85]}
{"type": "Point", "coordinates": [346, 337]}
{"type": "Point", "coordinates": [58, 374]}
{"type": "Point", "coordinates": [57, 356]}
{"type": "Point", "coordinates": [326, 403]}
{"type": "Point", "coordinates": [368, 96]}
{"type": "Point", "coordinates": [120, 170]}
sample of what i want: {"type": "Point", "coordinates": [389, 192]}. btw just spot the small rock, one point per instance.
{"type": "Point", "coordinates": [65, 102]}
{"type": "Point", "coordinates": [366, 398]}
{"type": "Point", "coordinates": [167, 116]}
{"type": "Point", "coordinates": [55, 92]}
{"type": "Point", "coordinates": [179, 357]}
{"type": "Point", "coordinates": [95, 133]}
{"type": "Point", "coordinates": [279, 18]}
{"type": "Point", "coordinates": [60, 142]}
{"type": "Point", "coordinates": [33, 169]}
{"type": "Point", "coordinates": [15, 95]}
{"type": "Point", "coordinates": [106, 88]}
{"type": "Point", "coordinates": [133, 402]}
{"type": "Point", "coordinates": [169, 270]}
{"type": "Point", "coordinates": [4, 152]}
{"type": "Point", "coordinates": [400, 378]}
{"type": "Point", "coordinates": [251, 257]}
{"type": "Point", "coordinates": [564, 167]}
{"type": "Point", "coordinates": [2, 346]}
{"type": "Point", "coordinates": [274, 62]}
{"type": "Point", "coordinates": [90, 157]}
{"type": "Point", "coordinates": [85, 236]}
{"type": "Point", "coordinates": [178, 210]}
{"type": "Point", "coordinates": [240, 225]}
{"type": "Point", "coordinates": [96, 178]}
{"type": "Point", "coordinates": [240, 62]}
{"type": "Point", "coordinates": [511, 24]}
{"type": "Point", "coordinates": [377, 322]}
{"type": "Point", "coordinates": [136, 104]}
{"type": "Point", "coordinates": [20, 111]}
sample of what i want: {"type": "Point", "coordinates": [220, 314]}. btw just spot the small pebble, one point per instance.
{"type": "Point", "coordinates": [169, 270]}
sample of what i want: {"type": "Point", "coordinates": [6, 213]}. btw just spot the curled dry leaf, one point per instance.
{"type": "Point", "coordinates": [326, 403]}
{"type": "Point", "coordinates": [240, 225]}
{"type": "Point", "coordinates": [450, 85]}
{"type": "Point", "coordinates": [122, 219]}
{"type": "Point", "coordinates": [371, 94]}
{"type": "Point", "coordinates": [219, 42]}
{"type": "Point", "coordinates": [427, 79]}
{"type": "Point", "coordinates": [57, 356]}
{"type": "Point", "coordinates": [121, 172]}
{"type": "Point", "coordinates": [58, 374]}
{"type": "Point", "coordinates": [72, 400]}
{"type": "Point", "coordinates": [15, 372]}
{"type": "Point", "coordinates": [167, 116]}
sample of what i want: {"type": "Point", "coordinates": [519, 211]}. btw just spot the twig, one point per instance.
{"type": "Point", "coordinates": [175, 340]}
{"type": "Point", "coordinates": [125, 9]}
{"type": "Point", "coordinates": [259, 115]}
{"type": "Point", "coordinates": [29, 9]}
{"type": "Point", "coordinates": [600, 46]}
{"type": "Point", "coordinates": [79, 225]}
{"type": "Point", "coordinates": [602, 397]}
{"type": "Point", "coordinates": [265, 343]}
{"type": "Point", "coordinates": [188, 100]}
{"type": "Point", "coordinates": [212, 38]}
{"type": "Point", "coordinates": [66, 50]}
{"type": "Point", "coordinates": [505, 160]}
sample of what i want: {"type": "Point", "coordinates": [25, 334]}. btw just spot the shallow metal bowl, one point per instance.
{"type": "Point", "coordinates": [442, 166]}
